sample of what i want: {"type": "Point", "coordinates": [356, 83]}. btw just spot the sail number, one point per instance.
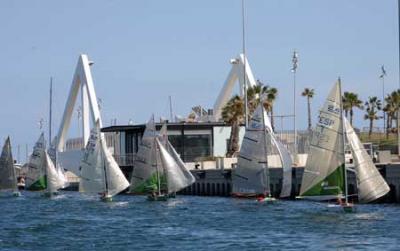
{"type": "Point", "coordinates": [325, 121]}
{"type": "Point", "coordinates": [333, 109]}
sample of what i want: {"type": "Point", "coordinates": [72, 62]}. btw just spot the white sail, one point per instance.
{"type": "Point", "coordinates": [99, 171]}
{"type": "Point", "coordinates": [177, 178]}
{"type": "Point", "coordinates": [370, 182]}
{"type": "Point", "coordinates": [146, 161]}
{"type": "Point", "coordinates": [35, 176]}
{"type": "Point", "coordinates": [323, 175]}
{"type": "Point", "coordinates": [285, 157]}
{"type": "Point", "coordinates": [8, 179]}
{"type": "Point", "coordinates": [286, 161]}
{"type": "Point", "coordinates": [190, 179]}
{"type": "Point", "coordinates": [54, 181]}
{"type": "Point", "coordinates": [162, 135]}
{"type": "Point", "coordinates": [185, 176]}
{"type": "Point", "coordinates": [251, 174]}
{"type": "Point", "coordinates": [116, 181]}
{"type": "Point", "coordinates": [92, 166]}
{"type": "Point", "coordinates": [62, 176]}
{"type": "Point", "coordinates": [248, 176]}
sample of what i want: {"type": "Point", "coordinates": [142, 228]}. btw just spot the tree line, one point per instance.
{"type": "Point", "coordinates": [233, 111]}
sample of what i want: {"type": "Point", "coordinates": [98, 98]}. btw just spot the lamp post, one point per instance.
{"type": "Point", "coordinates": [294, 70]}
{"type": "Point", "coordinates": [382, 77]}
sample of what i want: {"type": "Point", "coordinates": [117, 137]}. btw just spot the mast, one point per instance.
{"type": "Point", "coordinates": [170, 109]}
{"type": "Point", "coordinates": [265, 148]}
{"type": "Point", "coordinates": [104, 167]}
{"type": "Point", "coordinates": [50, 108]}
{"type": "Point", "coordinates": [155, 155]}
{"type": "Point", "coordinates": [158, 171]}
{"type": "Point", "coordinates": [343, 146]}
{"type": "Point", "coordinates": [244, 65]}
{"type": "Point", "coordinates": [12, 166]}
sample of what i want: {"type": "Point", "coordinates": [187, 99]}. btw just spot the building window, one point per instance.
{"type": "Point", "coordinates": [196, 146]}
{"type": "Point", "coordinates": [129, 139]}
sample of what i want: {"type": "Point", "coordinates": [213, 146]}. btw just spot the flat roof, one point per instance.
{"type": "Point", "coordinates": [170, 126]}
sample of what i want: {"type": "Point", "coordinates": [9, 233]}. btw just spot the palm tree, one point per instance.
{"type": "Point", "coordinates": [233, 111]}
{"type": "Point", "coordinates": [271, 93]}
{"type": "Point", "coordinates": [350, 100]}
{"type": "Point", "coordinates": [233, 114]}
{"type": "Point", "coordinates": [373, 105]}
{"type": "Point", "coordinates": [309, 93]}
{"type": "Point", "coordinates": [391, 108]}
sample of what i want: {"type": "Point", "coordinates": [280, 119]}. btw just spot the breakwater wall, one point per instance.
{"type": "Point", "coordinates": [218, 182]}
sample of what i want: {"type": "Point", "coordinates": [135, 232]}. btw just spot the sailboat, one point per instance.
{"type": "Point", "coordinates": [99, 172]}
{"type": "Point", "coordinates": [325, 176]}
{"type": "Point", "coordinates": [370, 183]}
{"type": "Point", "coordinates": [42, 173]}
{"type": "Point", "coordinates": [178, 176]}
{"type": "Point", "coordinates": [251, 176]}
{"type": "Point", "coordinates": [8, 178]}
{"type": "Point", "coordinates": [158, 170]}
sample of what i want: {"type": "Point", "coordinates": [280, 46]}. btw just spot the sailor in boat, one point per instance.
{"type": "Point", "coordinates": [260, 197]}
{"type": "Point", "coordinates": [21, 183]}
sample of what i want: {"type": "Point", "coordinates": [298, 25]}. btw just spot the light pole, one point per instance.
{"type": "Point", "coordinates": [294, 70]}
{"type": "Point", "coordinates": [382, 77]}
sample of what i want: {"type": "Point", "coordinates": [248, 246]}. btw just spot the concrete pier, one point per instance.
{"type": "Point", "coordinates": [218, 182]}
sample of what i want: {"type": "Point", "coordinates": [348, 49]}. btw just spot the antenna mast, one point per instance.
{"type": "Point", "coordinates": [50, 108]}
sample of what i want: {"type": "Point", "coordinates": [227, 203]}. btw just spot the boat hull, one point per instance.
{"type": "Point", "coordinates": [162, 197]}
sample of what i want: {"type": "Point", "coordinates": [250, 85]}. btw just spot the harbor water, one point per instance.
{"type": "Point", "coordinates": [73, 221]}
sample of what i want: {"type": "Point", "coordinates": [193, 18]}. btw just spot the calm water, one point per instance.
{"type": "Point", "coordinates": [75, 222]}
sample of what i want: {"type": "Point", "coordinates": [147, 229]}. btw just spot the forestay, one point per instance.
{"type": "Point", "coordinates": [323, 177]}
{"type": "Point", "coordinates": [370, 182]}
{"type": "Point", "coordinates": [8, 179]}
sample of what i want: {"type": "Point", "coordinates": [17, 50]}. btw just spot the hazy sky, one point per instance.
{"type": "Point", "coordinates": [146, 50]}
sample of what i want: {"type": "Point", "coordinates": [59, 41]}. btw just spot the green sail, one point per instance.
{"type": "Point", "coordinates": [40, 184]}
{"type": "Point", "coordinates": [151, 185]}
{"type": "Point", "coordinates": [332, 185]}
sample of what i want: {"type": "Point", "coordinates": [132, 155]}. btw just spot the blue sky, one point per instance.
{"type": "Point", "coordinates": [146, 50]}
